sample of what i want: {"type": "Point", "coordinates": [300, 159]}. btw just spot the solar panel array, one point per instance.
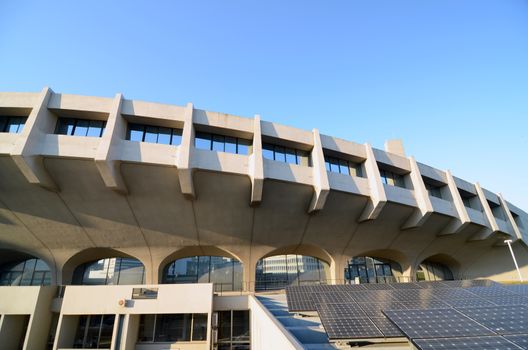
{"type": "Point", "coordinates": [469, 314]}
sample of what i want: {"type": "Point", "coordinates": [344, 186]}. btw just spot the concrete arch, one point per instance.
{"type": "Point", "coordinates": [92, 254]}
{"type": "Point", "coordinates": [197, 250]}
{"type": "Point", "coordinates": [10, 255]}
{"type": "Point", "coordinates": [444, 259]}
{"type": "Point", "coordinates": [302, 249]}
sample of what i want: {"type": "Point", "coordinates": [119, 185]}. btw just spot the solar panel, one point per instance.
{"type": "Point", "coordinates": [329, 311]}
{"type": "Point", "coordinates": [337, 297]}
{"type": "Point", "coordinates": [412, 294]}
{"type": "Point", "coordinates": [509, 300]}
{"type": "Point", "coordinates": [521, 289]}
{"type": "Point", "coordinates": [452, 293]}
{"type": "Point", "coordinates": [474, 302]}
{"type": "Point", "coordinates": [350, 328]}
{"type": "Point", "coordinates": [519, 339]}
{"type": "Point", "coordinates": [500, 319]}
{"type": "Point", "coordinates": [486, 292]}
{"type": "Point", "coordinates": [405, 286]}
{"type": "Point", "coordinates": [375, 309]}
{"type": "Point", "coordinates": [432, 284]}
{"type": "Point", "coordinates": [378, 286]}
{"type": "Point", "coordinates": [425, 304]}
{"type": "Point", "coordinates": [466, 343]}
{"type": "Point", "coordinates": [435, 323]}
{"type": "Point", "coordinates": [387, 328]}
{"type": "Point", "coordinates": [373, 296]}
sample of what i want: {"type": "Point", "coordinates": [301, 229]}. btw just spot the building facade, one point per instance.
{"type": "Point", "coordinates": [134, 225]}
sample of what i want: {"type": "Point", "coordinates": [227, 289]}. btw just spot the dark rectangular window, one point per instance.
{"type": "Point", "coordinates": [343, 166]}
{"type": "Point", "coordinates": [13, 125]}
{"type": "Point", "coordinates": [233, 329]}
{"type": "Point", "coordinates": [154, 134]}
{"type": "Point", "coordinates": [285, 154]}
{"type": "Point", "coordinates": [221, 143]}
{"type": "Point", "coordinates": [80, 127]}
{"type": "Point", "coordinates": [94, 332]}
{"type": "Point", "coordinates": [165, 328]}
{"type": "Point", "coordinates": [433, 190]}
{"type": "Point", "coordinates": [391, 178]}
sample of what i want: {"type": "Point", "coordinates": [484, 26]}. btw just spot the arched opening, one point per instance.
{"type": "Point", "coordinates": [225, 272]}
{"type": "Point", "coordinates": [378, 266]}
{"type": "Point", "coordinates": [439, 267]}
{"type": "Point", "coordinates": [280, 271]}
{"type": "Point", "coordinates": [110, 271]}
{"type": "Point", "coordinates": [29, 272]}
{"type": "Point", "coordinates": [22, 269]}
{"type": "Point", "coordinates": [367, 269]}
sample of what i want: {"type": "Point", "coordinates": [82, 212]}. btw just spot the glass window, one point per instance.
{"type": "Point", "coordinates": [243, 146]}
{"type": "Point", "coordinates": [202, 141]}
{"type": "Point", "coordinates": [291, 157]}
{"type": "Point", "coordinates": [225, 273]}
{"type": "Point", "coordinates": [96, 128]}
{"type": "Point", "coordinates": [230, 144]}
{"type": "Point", "coordinates": [280, 271]}
{"type": "Point", "coordinates": [164, 136]}
{"type": "Point", "coordinates": [224, 326]}
{"type": "Point", "coordinates": [15, 124]}
{"type": "Point", "coordinates": [343, 167]}
{"type": "Point", "coordinates": [110, 271]}
{"type": "Point", "coordinates": [65, 126]}
{"type": "Point", "coordinates": [81, 127]}
{"type": "Point", "coordinates": [176, 136]}
{"type": "Point", "coordinates": [221, 143]}
{"type": "Point", "coordinates": [173, 327]}
{"type": "Point", "coordinates": [31, 272]}
{"type": "Point", "coordinates": [135, 132]}
{"type": "Point", "coordinates": [94, 332]}
{"type": "Point", "coordinates": [218, 143]}
{"type": "Point", "coordinates": [151, 134]}
{"type": "Point", "coordinates": [233, 330]}
{"type": "Point", "coordinates": [199, 332]}
{"type": "Point", "coordinates": [267, 151]}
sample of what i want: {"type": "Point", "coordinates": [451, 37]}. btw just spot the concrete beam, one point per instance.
{"type": "Point", "coordinates": [456, 224]}
{"type": "Point", "coordinates": [107, 158]}
{"type": "Point", "coordinates": [320, 176]}
{"type": "Point", "coordinates": [510, 218]}
{"type": "Point", "coordinates": [256, 164]}
{"type": "Point", "coordinates": [488, 214]}
{"type": "Point", "coordinates": [183, 162]}
{"type": "Point", "coordinates": [378, 198]}
{"type": "Point", "coordinates": [425, 207]}
{"type": "Point", "coordinates": [26, 152]}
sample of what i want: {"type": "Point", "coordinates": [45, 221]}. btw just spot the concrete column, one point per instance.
{"type": "Point", "coordinates": [320, 176]}
{"type": "Point", "coordinates": [425, 208]}
{"type": "Point", "coordinates": [256, 164]}
{"type": "Point", "coordinates": [107, 157]}
{"type": "Point", "coordinates": [378, 198]}
{"type": "Point", "coordinates": [26, 152]}
{"type": "Point", "coordinates": [492, 223]}
{"type": "Point", "coordinates": [456, 224]}
{"type": "Point", "coordinates": [510, 218]}
{"type": "Point", "coordinates": [185, 150]}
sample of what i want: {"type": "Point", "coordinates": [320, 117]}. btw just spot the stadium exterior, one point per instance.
{"type": "Point", "coordinates": [112, 211]}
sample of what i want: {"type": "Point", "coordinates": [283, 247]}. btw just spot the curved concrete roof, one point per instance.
{"type": "Point", "coordinates": [61, 195]}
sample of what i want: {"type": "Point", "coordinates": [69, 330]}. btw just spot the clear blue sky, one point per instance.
{"type": "Point", "coordinates": [449, 77]}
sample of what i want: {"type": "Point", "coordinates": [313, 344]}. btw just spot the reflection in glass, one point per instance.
{"type": "Point", "coordinates": [280, 271]}
{"type": "Point", "coordinates": [110, 271]}
{"type": "Point", "coordinates": [226, 273]}
{"type": "Point", "coordinates": [31, 272]}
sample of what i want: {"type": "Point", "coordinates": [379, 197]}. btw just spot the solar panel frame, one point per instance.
{"type": "Point", "coordinates": [329, 311]}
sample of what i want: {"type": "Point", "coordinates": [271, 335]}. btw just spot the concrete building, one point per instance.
{"type": "Point", "coordinates": [134, 225]}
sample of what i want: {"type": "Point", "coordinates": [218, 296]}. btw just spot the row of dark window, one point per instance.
{"type": "Point", "coordinates": [343, 166]}
{"type": "Point", "coordinates": [168, 328]}
{"type": "Point", "coordinates": [11, 124]}
{"type": "Point", "coordinates": [285, 154]}
{"type": "Point", "coordinates": [222, 143]}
